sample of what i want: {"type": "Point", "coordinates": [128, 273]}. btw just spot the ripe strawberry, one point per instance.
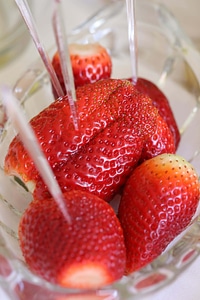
{"type": "Point", "coordinates": [158, 202]}
{"type": "Point", "coordinates": [161, 141]}
{"type": "Point", "coordinates": [161, 102]}
{"type": "Point", "coordinates": [113, 127]}
{"type": "Point", "coordinates": [103, 165]}
{"type": "Point", "coordinates": [90, 63]}
{"type": "Point", "coordinates": [55, 130]}
{"type": "Point", "coordinates": [87, 253]}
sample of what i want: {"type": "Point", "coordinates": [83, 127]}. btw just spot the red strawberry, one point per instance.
{"type": "Point", "coordinates": [161, 102]}
{"type": "Point", "coordinates": [158, 202]}
{"type": "Point", "coordinates": [161, 141]}
{"type": "Point", "coordinates": [90, 63]}
{"type": "Point", "coordinates": [87, 253]}
{"type": "Point", "coordinates": [102, 166]}
{"type": "Point", "coordinates": [55, 130]}
{"type": "Point", "coordinates": [101, 154]}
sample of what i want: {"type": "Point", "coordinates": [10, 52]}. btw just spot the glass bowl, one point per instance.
{"type": "Point", "coordinates": [168, 58]}
{"type": "Point", "coordinates": [14, 36]}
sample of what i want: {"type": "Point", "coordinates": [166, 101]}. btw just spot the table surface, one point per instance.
{"type": "Point", "coordinates": [186, 286]}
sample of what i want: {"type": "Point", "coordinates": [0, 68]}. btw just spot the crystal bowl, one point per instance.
{"type": "Point", "coordinates": [14, 36]}
{"type": "Point", "coordinates": [167, 57]}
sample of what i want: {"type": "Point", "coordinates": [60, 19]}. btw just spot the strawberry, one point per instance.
{"type": "Point", "coordinates": [55, 130]}
{"type": "Point", "coordinates": [161, 102]}
{"type": "Point", "coordinates": [90, 63]}
{"type": "Point", "coordinates": [102, 166]}
{"type": "Point", "coordinates": [87, 253]}
{"type": "Point", "coordinates": [158, 203]}
{"type": "Point", "coordinates": [161, 141]}
{"type": "Point", "coordinates": [113, 126]}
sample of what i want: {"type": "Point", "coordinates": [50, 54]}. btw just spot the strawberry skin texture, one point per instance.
{"type": "Point", "coordinates": [88, 252]}
{"type": "Point", "coordinates": [90, 63]}
{"type": "Point", "coordinates": [55, 130]}
{"type": "Point", "coordinates": [161, 141]}
{"type": "Point", "coordinates": [158, 203]}
{"type": "Point", "coordinates": [121, 121]}
{"type": "Point", "coordinates": [89, 68]}
{"type": "Point", "coordinates": [102, 166]}
{"type": "Point", "coordinates": [161, 102]}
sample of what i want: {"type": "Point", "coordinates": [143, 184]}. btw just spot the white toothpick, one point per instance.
{"type": "Point", "coordinates": [131, 18]}
{"type": "Point", "coordinates": [65, 62]}
{"type": "Point", "coordinates": [30, 141]}
{"type": "Point", "coordinates": [29, 21]}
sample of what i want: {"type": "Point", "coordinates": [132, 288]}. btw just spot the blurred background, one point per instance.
{"type": "Point", "coordinates": [76, 11]}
